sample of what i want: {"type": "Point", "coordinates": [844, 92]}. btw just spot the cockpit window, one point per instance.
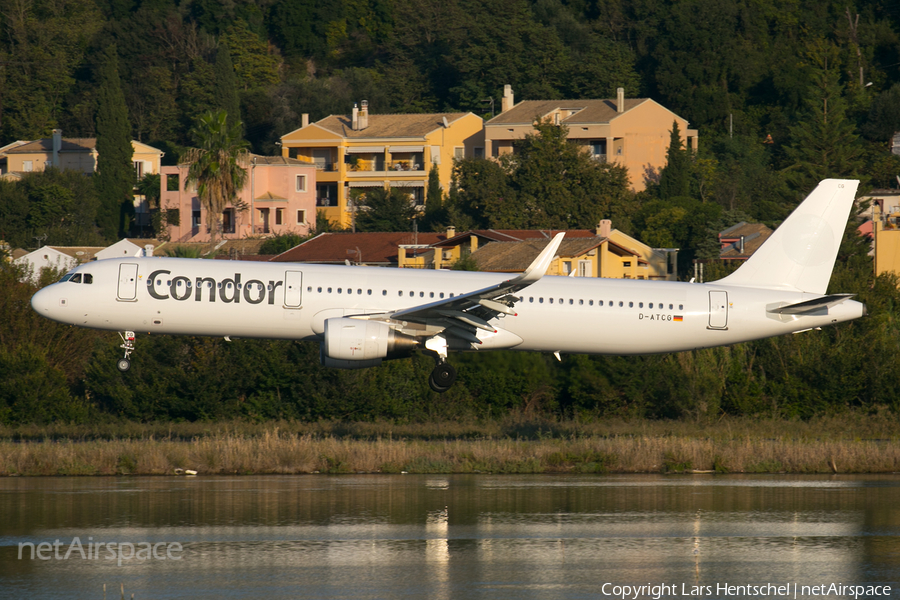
{"type": "Point", "coordinates": [76, 278]}
{"type": "Point", "coordinates": [88, 278]}
{"type": "Point", "coordinates": [66, 277]}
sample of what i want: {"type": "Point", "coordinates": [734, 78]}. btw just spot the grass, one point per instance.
{"type": "Point", "coordinates": [853, 444]}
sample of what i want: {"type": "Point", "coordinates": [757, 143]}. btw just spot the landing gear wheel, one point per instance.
{"type": "Point", "coordinates": [123, 364]}
{"type": "Point", "coordinates": [442, 377]}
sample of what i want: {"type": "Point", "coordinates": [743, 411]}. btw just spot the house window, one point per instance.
{"type": "Point", "coordinates": [459, 153]}
{"type": "Point", "coordinates": [301, 217]}
{"type": "Point", "coordinates": [228, 220]}
{"type": "Point", "coordinates": [479, 152]}
{"type": "Point", "coordinates": [172, 182]}
{"type": "Point", "coordinates": [27, 166]}
{"type": "Point", "coordinates": [138, 169]}
{"type": "Point", "coordinates": [279, 216]}
{"type": "Point", "coordinates": [195, 219]}
{"type": "Point", "coordinates": [301, 183]}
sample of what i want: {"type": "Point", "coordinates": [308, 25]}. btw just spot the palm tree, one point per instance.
{"type": "Point", "coordinates": [217, 165]}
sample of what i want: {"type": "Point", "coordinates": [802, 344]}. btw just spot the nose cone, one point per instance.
{"type": "Point", "coordinates": [46, 303]}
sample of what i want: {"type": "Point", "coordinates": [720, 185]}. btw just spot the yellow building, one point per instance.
{"type": "Point", "coordinates": [76, 154]}
{"type": "Point", "coordinates": [886, 238]}
{"type": "Point", "coordinates": [362, 151]}
{"type": "Point", "coordinates": [633, 132]}
{"type": "Point", "coordinates": [605, 252]}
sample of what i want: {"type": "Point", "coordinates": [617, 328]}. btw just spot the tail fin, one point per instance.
{"type": "Point", "coordinates": [800, 255]}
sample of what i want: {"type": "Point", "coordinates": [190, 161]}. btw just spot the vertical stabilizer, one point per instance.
{"type": "Point", "coordinates": [800, 254]}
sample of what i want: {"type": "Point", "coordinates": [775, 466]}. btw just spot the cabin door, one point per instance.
{"type": "Point", "coordinates": [127, 282]}
{"type": "Point", "coordinates": [292, 288]}
{"type": "Point", "coordinates": [718, 310]}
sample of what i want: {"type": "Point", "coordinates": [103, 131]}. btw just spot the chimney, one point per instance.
{"type": "Point", "coordinates": [451, 231]}
{"type": "Point", "coordinates": [620, 100]}
{"type": "Point", "coordinates": [304, 119]}
{"type": "Point", "coordinates": [363, 114]}
{"type": "Point", "coordinates": [508, 99]}
{"type": "Point", "coordinates": [57, 145]}
{"type": "Point", "coordinates": [604, 228]}
{"type": "Point", "coordinates": [354, 122]}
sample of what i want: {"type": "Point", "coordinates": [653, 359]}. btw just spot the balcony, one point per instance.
{"type": "Point", "coordinates": [405, 165]}
{"type": "Point", "coordinates": [326, 166]}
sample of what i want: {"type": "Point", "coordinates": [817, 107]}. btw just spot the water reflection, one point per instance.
{"type": "Point", "coordinates": [450, 536]}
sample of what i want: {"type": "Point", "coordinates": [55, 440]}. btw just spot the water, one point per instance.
{"type": "Point", "coordinates": [418, 536]}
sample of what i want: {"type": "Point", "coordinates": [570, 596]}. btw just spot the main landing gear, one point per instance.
{"type": "Point", "coordinates": [442, 377]}
{"type": "Point", "coordinates": [123, 364]}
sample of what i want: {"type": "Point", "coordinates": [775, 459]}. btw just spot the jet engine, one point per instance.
{"type": "Point", "coordinates": [357, 343]}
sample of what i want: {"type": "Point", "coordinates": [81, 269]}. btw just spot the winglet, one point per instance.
{"type": "Point", "coordinates": [539, 267]}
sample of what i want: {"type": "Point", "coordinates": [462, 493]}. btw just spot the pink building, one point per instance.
{"type": "Point", "coordinates": [279, 197]}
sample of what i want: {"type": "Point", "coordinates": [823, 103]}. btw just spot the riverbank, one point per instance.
{"type": "Point", "coordinates": [842, 444]}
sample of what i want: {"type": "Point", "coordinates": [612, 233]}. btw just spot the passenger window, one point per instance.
{"type": "Point", "coordinates": [599, 302]}
{"type": "Point", "coordinates": [431, 295]}
{"type": "Point", "coordinates": [369, 292]}
{"type": "Point", "coordinates": [670, 307]}
{"type": "Point", "coordinates": [329, 290]}
{"type": "Point", "coordinates": [631, 305]}
{"type": "Point", "coordinates": [650, 305]}
{"type": "Point", "coordinates": [640, 305]}
{"type": "Point", "coordinates": [580, 302]}
{"type": "Point", "coordinates": [421, 294]}
{"type": "Point", "coordinates": [681, 307]}
{"type": "Point", "coordinates": [551, 300]}
{"type": "Point", "coordinates": [541, 301]}
{"type": "Point", "coordinates": [571, 301]}
{"type": "Point", "coordinates": [339, 290]}
{"type": "Point", "coordinates": [411, 294]}
{"type": "Point", "coordinates": [359, 291]}
{"type": "Point", "coordinates": [88, 278]}
{"type": "Point", "coordinates": [590, 302]}
{"type": "Point", "coordinates": [451, 294]}
{"type": "Point", "coordinates": [399, 292]}
{"type": "Point", "coordinates": [76, 278]}
{"type": "Point", "coordinates": [442, 294]}
{"type": "Point", "coordinates": [620, 304]}
{"type": "Point", "coordinates": [318, 289]}
{"type": "Point", "coordinates": [560, 300]}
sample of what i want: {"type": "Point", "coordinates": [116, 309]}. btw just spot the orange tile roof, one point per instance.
{"type": "Point", "coordinates": [376, 248]}
{"type": "Point", "coordinates": [389, 126]}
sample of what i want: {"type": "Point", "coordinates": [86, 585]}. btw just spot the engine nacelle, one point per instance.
{"type": "Point", "coordinates": [361, 340]}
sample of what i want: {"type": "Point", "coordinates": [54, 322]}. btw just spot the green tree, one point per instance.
{"type": "Point", "coordinates": [823, 142]}
{"type": "Point", "coordinates": [675, 178]}
{"type": "Point", "coordinates": [382, 209]}
{"type": "Point", "coordinates": [559, 185]}
{"type": "Point", "coordinates": [434, 200]}
{"type": "Point", "coordinates": [226, 85]}
{"type": "Point", "coordinates": [217, 165]}
{"type": "Point", "coordinates": [883, 120]}
{"type": "Point", "coordinates": [115, 172]}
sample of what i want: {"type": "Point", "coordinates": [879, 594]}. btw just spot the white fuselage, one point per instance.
{"type": "Point", "coordinates": [291, 301]}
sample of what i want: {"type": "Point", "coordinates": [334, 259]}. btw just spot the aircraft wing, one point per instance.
{"type": "Point", "coordinates": [461, 315]}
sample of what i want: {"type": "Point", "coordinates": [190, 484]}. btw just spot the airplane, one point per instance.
{"type": "Point", "coordinates": [364, 315]}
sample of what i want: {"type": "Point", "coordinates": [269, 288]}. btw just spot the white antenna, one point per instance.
{"type": "Point", "coordinates": [446, 124]}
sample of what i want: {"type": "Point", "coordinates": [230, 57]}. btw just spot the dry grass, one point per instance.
{"type": "Point", "coordinates": [497, 447]}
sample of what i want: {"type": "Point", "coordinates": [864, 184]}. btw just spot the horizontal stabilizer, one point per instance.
{"type": "Point", "coordinates": [811, 306]}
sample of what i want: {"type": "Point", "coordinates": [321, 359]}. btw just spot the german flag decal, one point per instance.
{"type": "Point", "coordinates": [678, 318]}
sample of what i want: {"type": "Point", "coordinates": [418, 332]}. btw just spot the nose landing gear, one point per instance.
{"type": "Point", "coordinates": [123, 364]}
